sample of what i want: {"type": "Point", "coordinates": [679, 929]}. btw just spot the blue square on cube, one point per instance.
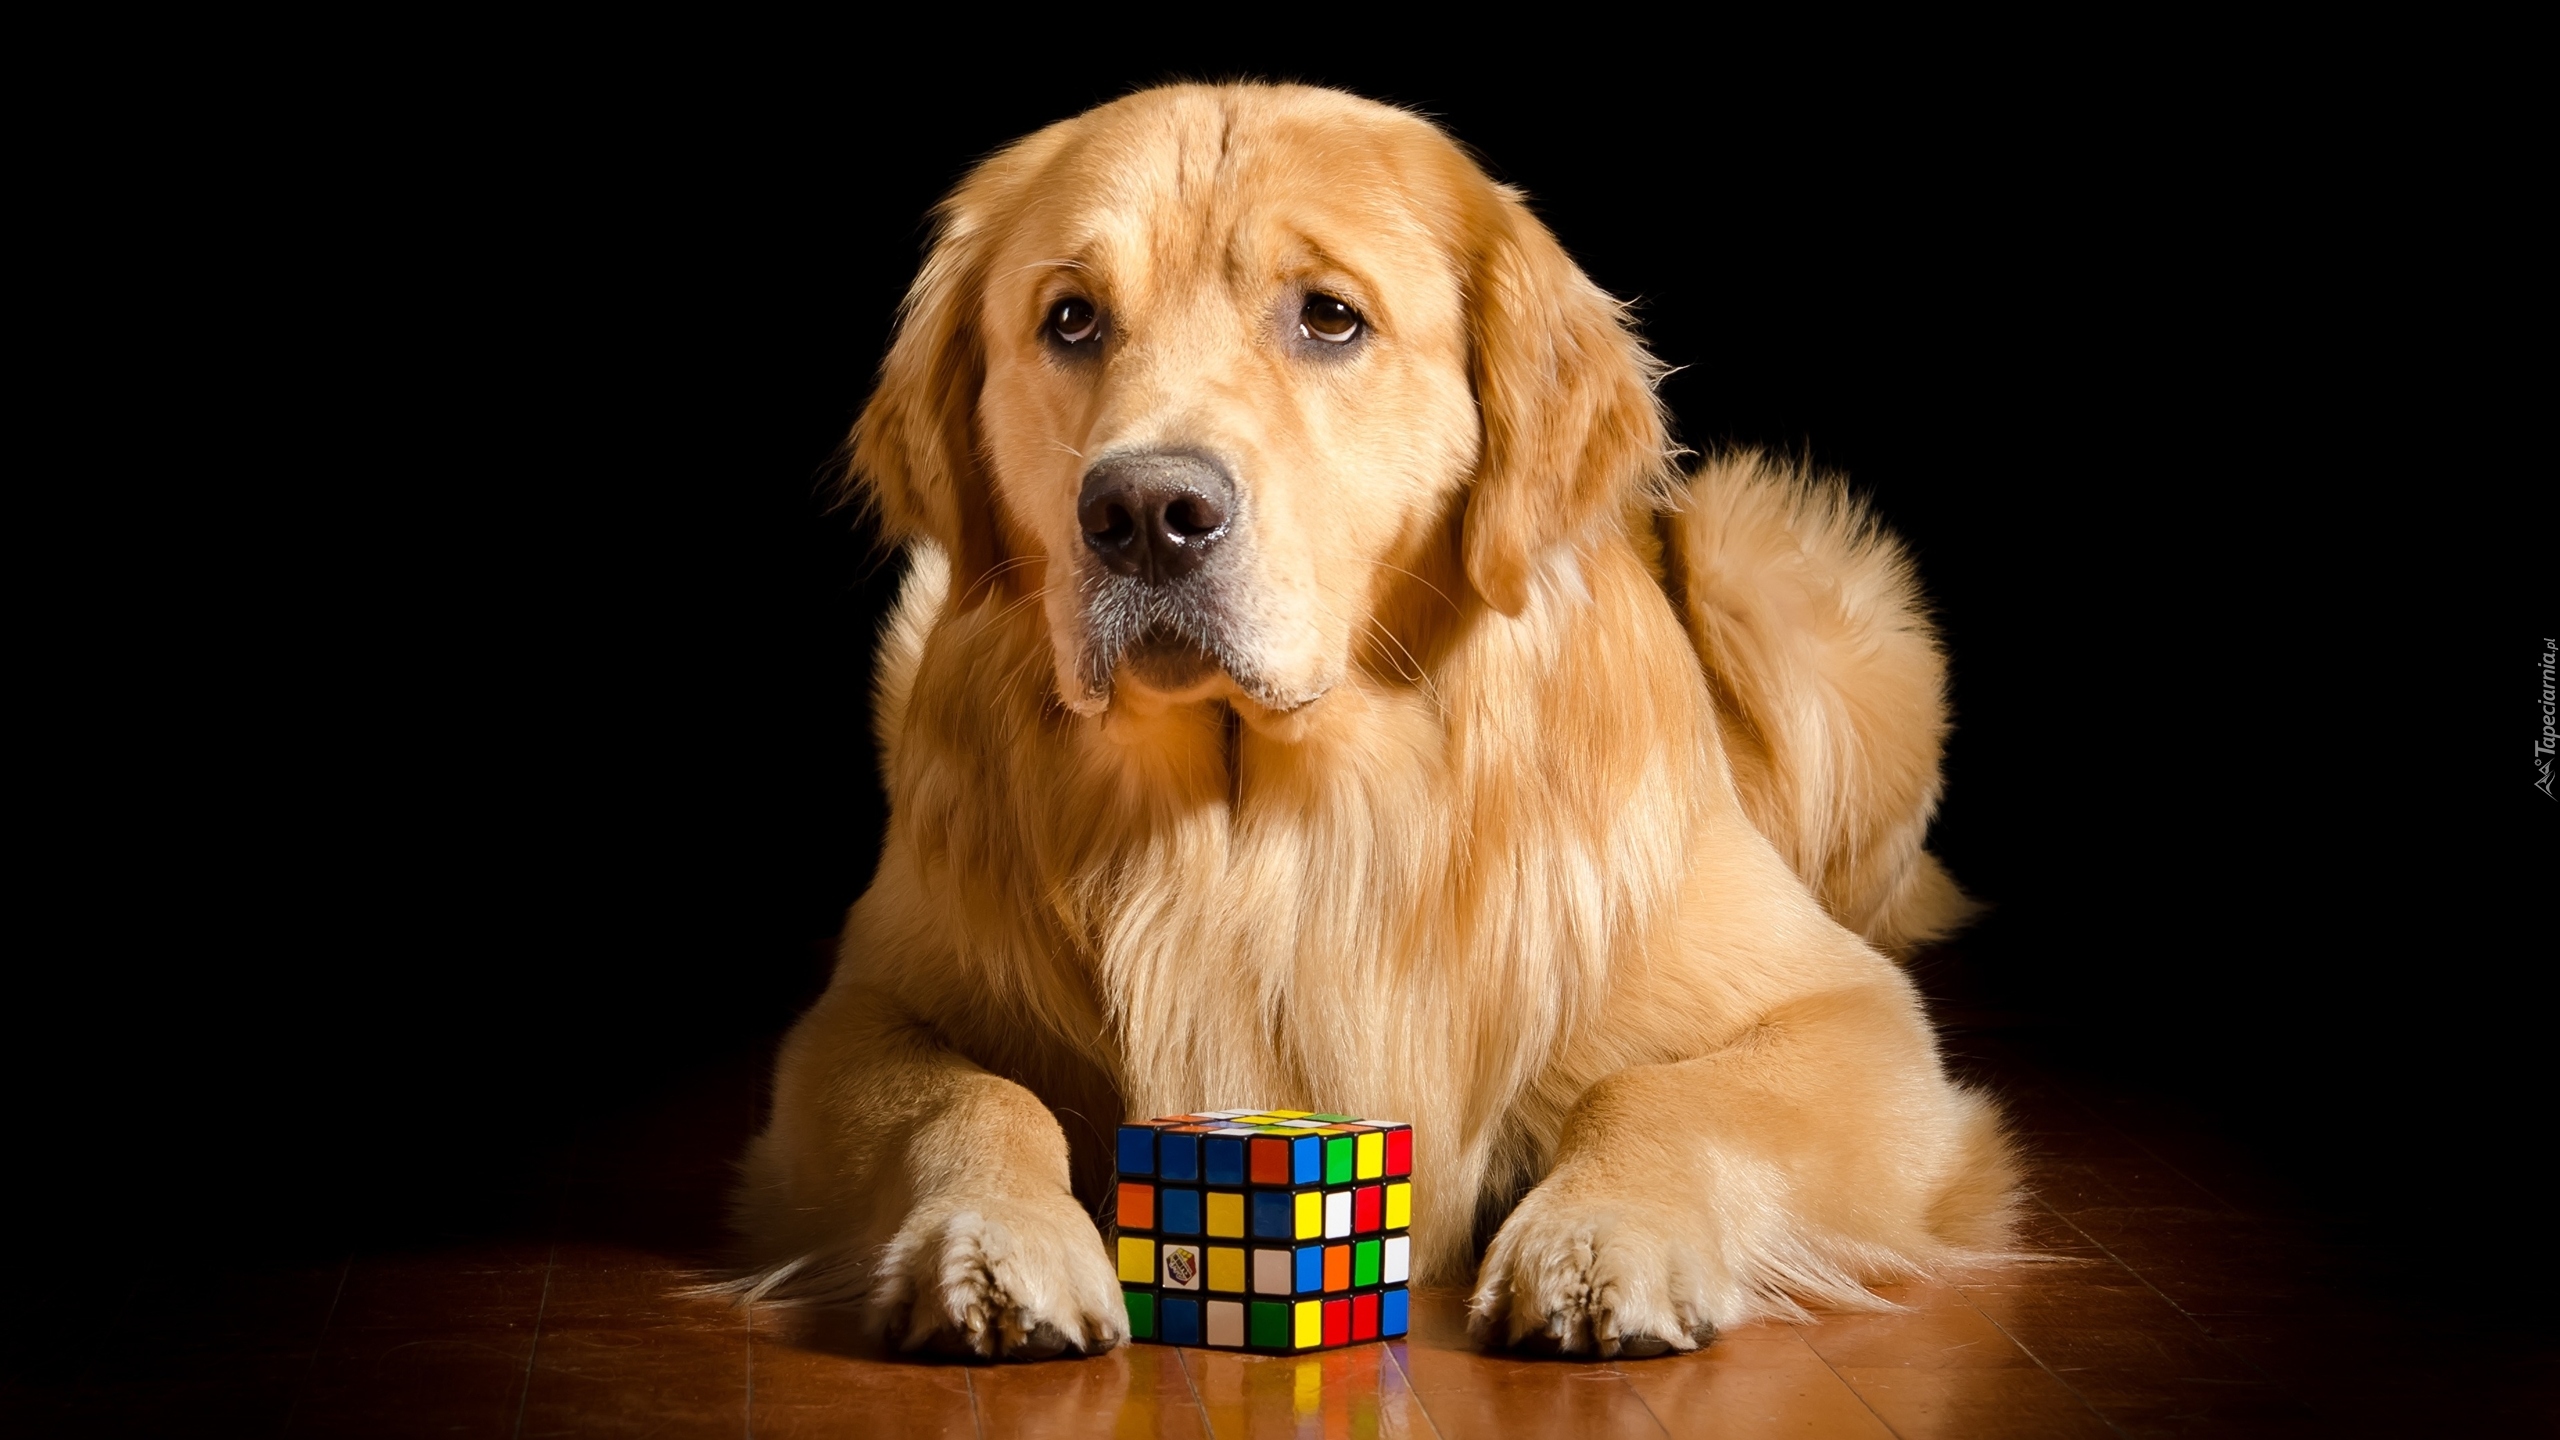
{"type": "Point", "coordinates": [1178, 1212]}
{"type": "Point", "coordinates": [1224, 1160]}
{"type": "Point", "coordinates": [1306, 1160]}
{"type": "Point", "coordinates": [1310, 1269]}
{"type": "Point", "coordinates": [1137, 1150]}
{"type": "Point", "coordinates": [1178, 1157]}
{"type": "Point", "coordinates": [1178, 1321]}
{"type": "Point", "coordinates": [1272, 1214]}
{"type": "Point", "coordinates": [1391, 1312]}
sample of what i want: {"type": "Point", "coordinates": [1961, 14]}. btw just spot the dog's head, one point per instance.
{"type": "Point", "coordinates": [1204, 368]}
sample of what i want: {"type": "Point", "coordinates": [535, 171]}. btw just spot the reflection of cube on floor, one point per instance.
{"type": "Point", "coordinates": [1273, 1230]}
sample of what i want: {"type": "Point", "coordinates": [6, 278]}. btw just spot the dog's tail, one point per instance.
{"type": "Point", "coordinates": [1829, 686]}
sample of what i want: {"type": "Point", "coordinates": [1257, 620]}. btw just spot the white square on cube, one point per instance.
{"type": "Point", "coordinates": [1181, 1267]}
{"type": "Point", "coordinates": [1394, 1265]}
{"type": "Point", "coordinates": [1226, 1322]}
{"type": "Point", "coordinates": [1271, 1272]}
{"type": "Point", "coordinates": [1337, 1214]}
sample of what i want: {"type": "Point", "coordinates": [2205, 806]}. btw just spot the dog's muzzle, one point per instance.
{"type": "Point", "coordinates": [1157, 527]}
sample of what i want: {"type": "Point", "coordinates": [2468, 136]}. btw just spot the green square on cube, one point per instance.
{"type": "Point", "coordinates": [1270, 1326]}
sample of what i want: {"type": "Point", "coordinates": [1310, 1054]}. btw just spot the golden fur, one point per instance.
{"type": "Point", "coordinates": [1542, 796]}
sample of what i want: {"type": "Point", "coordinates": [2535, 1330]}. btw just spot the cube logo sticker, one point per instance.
{"type": "Point", "coordinates": [1181, 1267]}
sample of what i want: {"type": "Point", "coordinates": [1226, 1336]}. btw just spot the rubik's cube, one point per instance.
{"type": "Point", "coordinates": [1277, 1231]}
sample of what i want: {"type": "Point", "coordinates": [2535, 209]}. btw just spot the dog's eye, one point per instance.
{"type": "Point", "coordinates": [1074, 320]}
{"type": "Point", "coordinates": [1325, 318]}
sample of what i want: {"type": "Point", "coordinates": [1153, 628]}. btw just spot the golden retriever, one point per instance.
{"type": "Point", "coordinates": [1314, 685]}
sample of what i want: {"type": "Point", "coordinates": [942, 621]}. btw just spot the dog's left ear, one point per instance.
{"type": "Point", "coordinates": [1572, 428]}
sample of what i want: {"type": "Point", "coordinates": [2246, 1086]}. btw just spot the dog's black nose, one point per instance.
{"type": "Point", "coordinates": [1155, 515]}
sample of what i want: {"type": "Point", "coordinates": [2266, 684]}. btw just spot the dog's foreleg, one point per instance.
{"type": "Point", "coordinates": [1816, 1152]}
{"type": "Point", "coordinates": [897, 1172]}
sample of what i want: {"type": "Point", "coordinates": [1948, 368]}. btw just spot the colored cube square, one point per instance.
{"type": "Point", "coordinates": [1226, 1215]}
{"type": "Point", "coordinates": [1267, 1160]}
{"type": "Point", "coordinates": [1274, 1215]}
{"type": "Point", "coordinates": [1270, 1326]}
{"type": "Point", "coordinates": [1225, 1322]}
{"type": "Point", "coordinates": [1271, 1231]}
{"type": "Point", "coordinates": [1226, 1268]}
{"type": "Point", "coordinates": [1306, 1159]}
{"type": "Point", "coordinates": [1273, 1272]}
{"type": "Point", "coordinates": [1137, 1150]}
{"type": "Point", "coordinates": [1222, 1159]}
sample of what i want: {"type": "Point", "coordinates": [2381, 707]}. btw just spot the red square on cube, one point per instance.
{"type": "Point", "coordinates": [1399, 1152]}
{"type": "Point", "coordinates": [1337, 1322]}
{"type": "Point", "coordinates": [1364, 1316]}
{"type": "Point", "coordinates": [1269, 1161]}
{"type": "Point", "coordinates": [1368, 1207]}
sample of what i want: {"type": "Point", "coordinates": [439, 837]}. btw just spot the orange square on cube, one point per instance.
{"type": "Point", "coordinates": [1269, 1161]}
{"type": "Point", "coordinates": [1137, 1206]}
{"type": "Point", "coordinates": [1337, 1267]}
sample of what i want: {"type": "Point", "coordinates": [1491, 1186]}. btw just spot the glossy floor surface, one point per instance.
{"type": "Point", "coordinates": [2183, 1296]}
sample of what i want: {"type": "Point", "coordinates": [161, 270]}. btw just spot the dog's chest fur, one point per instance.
{"type": "Point", "coordinates": [1405, 912]}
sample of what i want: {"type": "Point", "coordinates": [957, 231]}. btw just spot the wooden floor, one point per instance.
{"type": "Point", "coordinates": [2185, 1296]}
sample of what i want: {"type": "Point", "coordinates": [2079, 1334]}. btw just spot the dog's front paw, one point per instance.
{"type": "Point", "coordinates": [1007, 1279]}
{"type": "Point", "coordinates": [1581, 1275]}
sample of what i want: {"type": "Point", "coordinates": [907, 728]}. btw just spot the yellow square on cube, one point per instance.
{"type": "Point", "coordinates": [1310, 1214]}
{"type": "Point", "coordinates": [1226, 1268]}
{"type": "Point", "coordinates": [1399, 1206]}
{"type": "Point", "coordinates": [1310, 1324]}
{"type": "Point", "coordinates": [1137, 1260]}
{"type": "Point", "coordinates": [1226, 1214]}
{"type": "Point", "coordinates": [1372, 1160]}
{"type": "Point", "coordinates": [1292, 1114]}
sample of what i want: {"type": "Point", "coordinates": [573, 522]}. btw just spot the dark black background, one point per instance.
{"type": "Point", "coordinates": [461, 721]}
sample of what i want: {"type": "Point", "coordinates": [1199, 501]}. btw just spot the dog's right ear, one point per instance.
{"type": "Point", "coordinates": [914, 453]}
